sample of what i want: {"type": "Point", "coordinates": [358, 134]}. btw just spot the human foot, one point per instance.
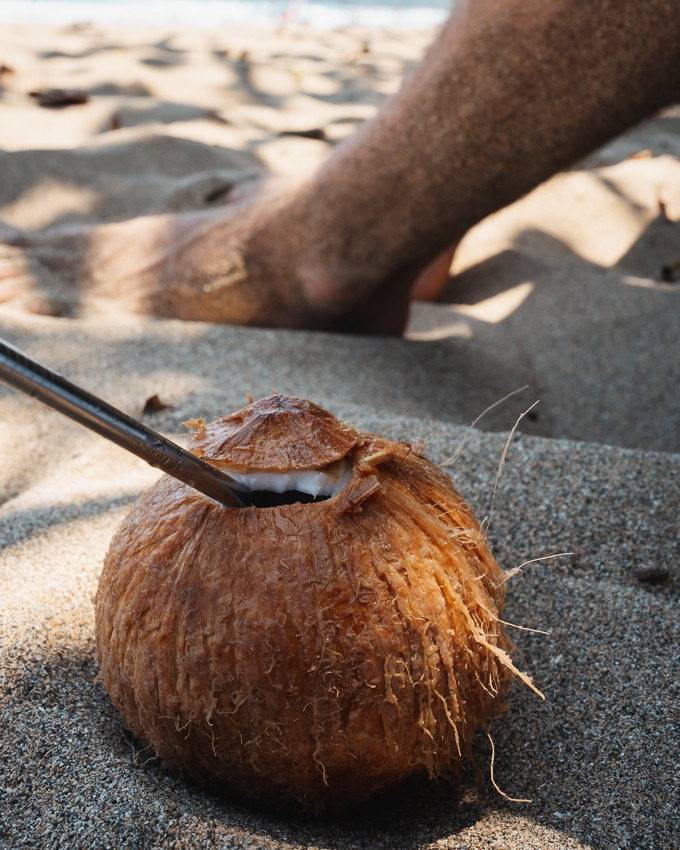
{"type": "Point", "coordinates": [165, 265]}
{"type": "Point", "coordinates": [248, 263]}
{"type": "Point", "coordinates": [432, 281]}
{"type": "Point", "coordinates": [190, 266]}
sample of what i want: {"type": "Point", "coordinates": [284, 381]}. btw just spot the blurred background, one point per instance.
{"type": "Point", "coordinates": [280, 13]}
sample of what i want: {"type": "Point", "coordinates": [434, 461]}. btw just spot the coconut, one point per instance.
{"type": "Point", "coordinates": [316, 650]}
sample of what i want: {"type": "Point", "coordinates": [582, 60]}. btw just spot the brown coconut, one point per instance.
{"type": "Point", "coordinates": [306, 654]}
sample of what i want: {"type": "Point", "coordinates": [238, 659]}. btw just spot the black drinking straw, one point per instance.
{"type": "Point", "coordinates": [30, 377]}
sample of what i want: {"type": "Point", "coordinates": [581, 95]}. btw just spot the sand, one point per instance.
{"type": "Point", "coordinates": [560, 292]}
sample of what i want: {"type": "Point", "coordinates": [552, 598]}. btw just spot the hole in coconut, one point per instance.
{"type": "Point", "coordinates": [270, 489]}
{"type": "Point", "coordinates": [270, 499]}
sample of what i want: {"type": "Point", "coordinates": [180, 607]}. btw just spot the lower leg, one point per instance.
{"type": "Point", "coordinates": [510, 93]}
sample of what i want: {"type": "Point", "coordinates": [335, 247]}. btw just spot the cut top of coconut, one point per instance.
{"type": "Point", "coordinates": [277, 434]}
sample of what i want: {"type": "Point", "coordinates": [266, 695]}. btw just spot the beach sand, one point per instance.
{"type": "Point", "coordinates": [561, 292]}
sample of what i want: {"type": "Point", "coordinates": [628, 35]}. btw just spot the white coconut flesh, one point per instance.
{"type": "Point", "coordinates": [319, 483]}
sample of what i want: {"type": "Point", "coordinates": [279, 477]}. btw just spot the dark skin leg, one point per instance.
{"type": "Point", "coordinates": [511, 92]}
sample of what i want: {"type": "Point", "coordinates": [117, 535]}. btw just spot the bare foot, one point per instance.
{"type": "Point", "coordinates": [189, 266]}
{"type": "Point", "coordinates": [248, 263]}
{"type": "Point", "coordinates": [432, 281]}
